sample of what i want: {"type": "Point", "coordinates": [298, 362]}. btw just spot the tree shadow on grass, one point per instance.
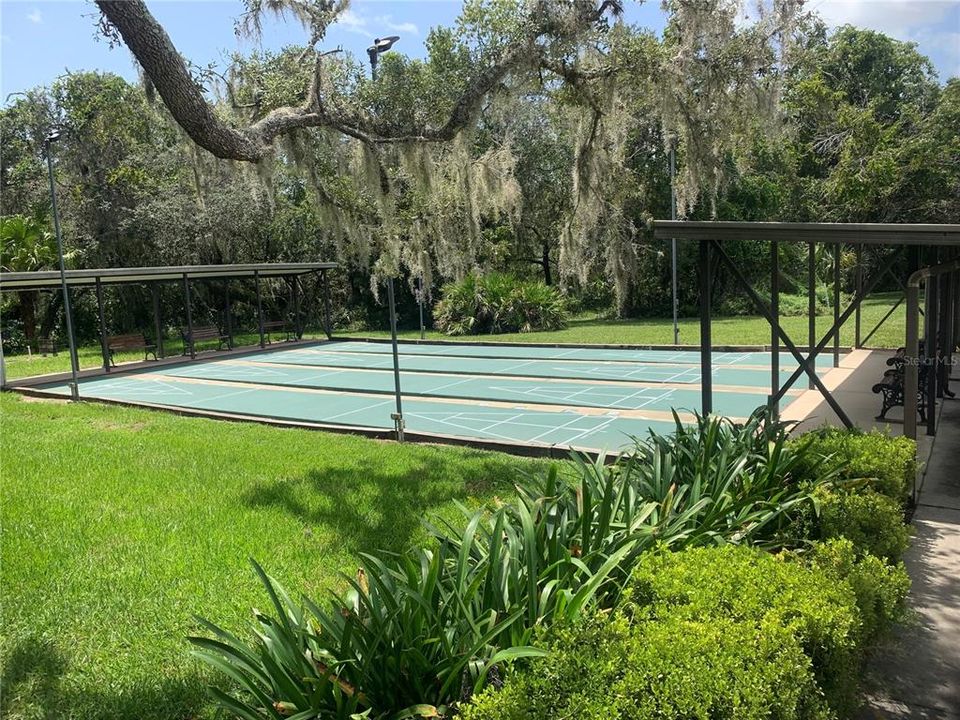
{"type": "Point", "coordinates": [33, 687]}
{"type": "Point", "coordinates": [380, 507]}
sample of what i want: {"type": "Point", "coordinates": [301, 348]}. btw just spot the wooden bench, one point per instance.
{"type": "Point", "coordinates": [277, 326]}
{"type": "Point", "coordinates": [47, 346]}
{"type": "Point", "coordinates": [891, 386]}
{"type": "Point", "coordinates": [202, 334]}
{"type": "Point", "coordinates": [131, 341]}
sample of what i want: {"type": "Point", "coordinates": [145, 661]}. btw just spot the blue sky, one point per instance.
{"type": "Point", "coordinates": [43, 39]}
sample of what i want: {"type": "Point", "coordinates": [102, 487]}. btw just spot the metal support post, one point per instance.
{"type": "Point", "coordinates": [227, 313]}
{"type": "Point", "coordinates": [296, 308]}
{"type": "Point", "coordinates": [836, 305]}
{"type": "Point", "coordinates": [706, 341]}
{"type": "Point", "coordinates": [186, 303]}
{"type": "Point", "coordinates": [104, 350]}
{"type": "Point", "coordinates": [397, 417]}
{"type": "Point", "coordinates": [774, 327]}
{"type": "Point", "coordinates": [859, 286]}
{"type": "Point", "coordinates": [930, 350]}
{"type": "Point", "coordinates": [157, 326]}
{"type": "Point", "coordinates": [256, 281]}
{"type": "Point", "coordinates": [327, 327]}
{"type": "Point", "coordinates": [811, 302]}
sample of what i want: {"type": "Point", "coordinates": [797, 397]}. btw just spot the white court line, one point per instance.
{"type": "Point", "coordinates": [555, 427]}
{"type": "Point", "coordinates": [596, 428]}
{"type": "Point", "coordinates": [362, 409]}
{"type": "Point", "coordinates": [449, 423]}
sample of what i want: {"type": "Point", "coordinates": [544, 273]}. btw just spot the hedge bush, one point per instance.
{"type": "Point", "coordinates": [499, 303]}
{"type": "Point", "coordinates": [888, 463]}
{"type": "Point", "coordinates": [717, 632]}
{"type": "Point", "coordinates": [752, 586]}
{"type": "Point", "coordinates": [871, 521]}
{"type": "Point", "coordinates": [880, 588]}
{"type": "Point", "coordinates": [670, 668]}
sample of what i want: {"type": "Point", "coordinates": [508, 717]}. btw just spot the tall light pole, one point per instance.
{"type": "Point", "coordinates": [380, 46]}
{"type": "Point", "coordinates": [673, 244]}
{"type": "Point", "coordinates": [74, 363]}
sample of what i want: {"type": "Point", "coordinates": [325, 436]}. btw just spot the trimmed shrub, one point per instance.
{"type": "Point", "coordinates": [763, 590]}
{"type": "Point", "coordinates": [671, 668]}
{"type": "Point", "coordinates": [881, 589]}
{"type": "Point", "coordinates": [889, 463]}
{"type": "Point", "coordinates": [499, 303]}
{"type": "Point", "coordinates": [872, 522]}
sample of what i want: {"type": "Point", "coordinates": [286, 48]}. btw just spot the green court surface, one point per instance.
{"type": "Point", "coordinates": [547, 397]}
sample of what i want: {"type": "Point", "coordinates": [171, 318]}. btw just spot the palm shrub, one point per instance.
{"type": "Point", "coordinates": [498, 303]}
{"type": "Point", "coordinates": [420, 631]}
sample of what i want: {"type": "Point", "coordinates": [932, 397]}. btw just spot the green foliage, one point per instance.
{"type": "Point", "coordinates": [755, 587]}
{"type": "Point", "coordinates": [670, 668]}
{"type": "Point", "coordinates": [497, 303]}
{"type": "Point", "coordinates": [871, 521]}
{"type": "Point", "coordinates": [722, 632]}
{"type": "Point", "coordinates": [426, 627]}
{"type": "Point", "coordinates": [880, 588]}
{"type": "Point", "coordinates": [888, 464]}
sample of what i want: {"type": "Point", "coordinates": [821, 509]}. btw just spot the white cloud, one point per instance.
{"type": "Point", "coordinates": [932, 24]}
{"type": "Point", "coordinates": [364, 25]}
{"type": "Point", "coordinates": [35, 17]}
{"type": "Point", "coordinates": [404, 27]}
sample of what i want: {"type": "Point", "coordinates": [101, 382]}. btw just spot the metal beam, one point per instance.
{"type": "Point", "coordinates": [296, 308]}
{"type": "Point", "coordinates": [843, 233]}
{"type": "Point", "coordinates": [327, 327]}
{"type": "Point", "coordinates": [104, 350]}
{"type": "Point", "coordinates": [858, 283]}
{"type": "Point", "coordinates": [706, 340]}
{"type": "Point", "coordinates": [157, 326]}
{"type": "Point", "coordinates": [774, 327]}
{"type": "Point", "coordinates": [814, 352]}
{"type": "Point", "coordinates": [186, 302]}
{"type": "Point", "coordinates": [811, 301]}
{"type": "Point", "coordinates": [883, 319]}
{"type": "Point", "coordinates": [836, 305]}
{"type": "Point", "coordinates": [810, 369]}
{"type": "Point", "coordinates": [227, 313]}
{"type": "Point", "coordinates": [256, 280]}
{"type": "Point", "coordinates": [397, 417]}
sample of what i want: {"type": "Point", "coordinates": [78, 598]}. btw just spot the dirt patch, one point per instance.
{"type": "Point", "coordinates": [37, 399]}
{"type": "Point", "coordinates": [113, 425]}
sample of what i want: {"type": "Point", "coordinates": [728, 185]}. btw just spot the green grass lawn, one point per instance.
{"type": "Point", "coordinates": [119, 524]}
{"type": "Point", "coordinates": [741, 330]}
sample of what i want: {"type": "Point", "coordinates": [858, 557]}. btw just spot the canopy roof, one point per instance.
{"type": "Point", "coordinates": [119, 276]}
{"type": "Point", "coordinates": [854, 233]}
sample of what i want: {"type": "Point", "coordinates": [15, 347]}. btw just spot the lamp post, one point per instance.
{"type": "Point", "coordinates": [673, 245]}
{"type": "Point", "coordinates": [74, 363]}
{"type": "Point", "coordinates": [380, 46]}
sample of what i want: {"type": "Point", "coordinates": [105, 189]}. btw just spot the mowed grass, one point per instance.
{"type": "Point", "coordinates": [739, 330]}
{"type": "Point", "coordinates": [119, 524]}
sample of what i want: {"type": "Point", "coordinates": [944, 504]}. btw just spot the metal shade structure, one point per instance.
{"type": "Point", "coordinates": [48, 279]}
{"type": "Point", "coordinates": [183, 275]}
{"type": "Point", "coordinates": [943, 300]}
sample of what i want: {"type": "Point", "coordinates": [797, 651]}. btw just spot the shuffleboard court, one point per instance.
{"type": "Point", "coordinates": [532, 367]}
{"type": "Point", "coordinates": [669, 357]}
{"type": "Point", "coordinates": [597, 399]}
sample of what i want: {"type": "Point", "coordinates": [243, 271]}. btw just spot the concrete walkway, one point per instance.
{"type": "Point", "coordinates": [917, 674]}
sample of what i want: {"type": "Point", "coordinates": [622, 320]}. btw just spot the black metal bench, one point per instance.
{"type": "Point", "coordinates": [204, 333]}
{"type": "Point", "coordinates": [130, 341]}
{"type": "Point", "coordinates": [891, 386]}
{"type": "Point", "coordinates": [47, 346]}
{"type": "Point", "coordinates": [278, 327]}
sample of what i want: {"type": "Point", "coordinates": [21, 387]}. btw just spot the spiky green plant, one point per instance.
{"type": "Point", "coordinates": [419, 631]}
